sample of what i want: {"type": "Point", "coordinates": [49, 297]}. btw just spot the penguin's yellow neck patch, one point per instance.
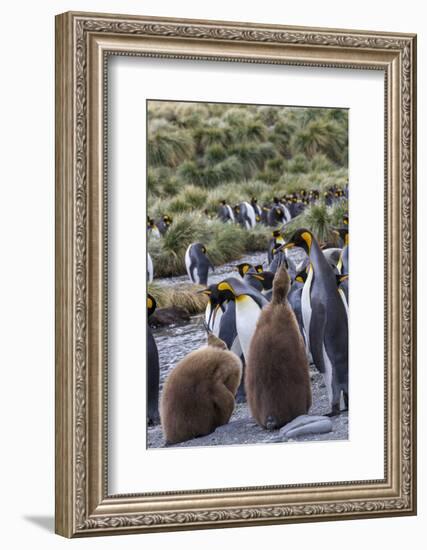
{"type": "Point", "coordinates": [346, 240]}
{"type": "Point", "coordinates": [242, 298]}
{"type": "Point", "coordinates": [308, 239]}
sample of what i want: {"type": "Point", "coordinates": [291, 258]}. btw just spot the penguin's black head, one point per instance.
{"type": "Point", "coordinates": [200, 247]}
{"type": "Point", "coordinates": [276, 200]}
{"type": "Point", "coordinates": [266, 278]}
{"type": "Point", "coordinates": [151, 305]}
{"type": "Point", "coordinates": [345, 219]}
{"type": "Point", "coordinates": [212, 293]}
{"type": "Point", "coordinates": [276, 233]}
{"type": "Point", "coordinates": [301, 276]}
{"type": "Point", "coordinates": [303, 238]}
{"type": "Point", "coordinates": [343, 233]}
{"type": "Point", "coordinates": [167, 219]}
{"type": "Point", "coordinates": [225, 291]}
{"type": "Point", "coordinates": [223, 202]}
{"type": "Point", "coordinates": [254, 200]}
{"type": "Point", "coordinates": [259, 268]}
{"type": "Point", "coordinates": [243, 268]}
{"type": "Point", "coordinates": [341, 278]}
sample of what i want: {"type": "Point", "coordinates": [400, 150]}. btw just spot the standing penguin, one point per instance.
{"type": "Point", "coordinates": [325, 319]}
{"type": "Point", "coordinates": [277, 372]}
{"type": "Point", "coordinates": [225, 212]}
{"type": "Point", "coordinates": [274, 243]}
{"type": "Point", "coordinates": [257, 209]}
{"type": "Point", "coordinates": [246, 215]}
{"type": "Point", "coordinates": [153, 371]}
{"type": "Point", "coordinates": [152, 229]}
{"type": "Point", "coordinates": [164, 223]}
{"type": "Point", "coordinates": [198, 263]}
{"type": "Point", "coordinates": [198, 395]}
{"type": "Point", "coordinates": [248, 302]}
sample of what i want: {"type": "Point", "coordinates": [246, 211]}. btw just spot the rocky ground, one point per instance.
{"type": "Point", "coordinates": [175, 341]}
{"type": "Point", "coordinates": [242, 429]}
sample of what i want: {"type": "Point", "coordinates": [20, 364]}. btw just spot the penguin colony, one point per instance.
{"type": "Point", "coordinates": [264, 326]}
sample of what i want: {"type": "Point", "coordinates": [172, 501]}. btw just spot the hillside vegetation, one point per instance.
{"type": "Point", "coordinates": [202, 153]}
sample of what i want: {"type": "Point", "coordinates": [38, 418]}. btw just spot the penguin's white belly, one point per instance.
{"type": "Point", "coordinates": [306, 307]}
{"type": "Point", "coordinates": [236, 347]}
{"type": "Point", "coordinates": [247, 313]}
{"type": "Point", "coordinates": [216, 320]}
{"type": "Point", "coordinates": [155, 233]}
{"type": "Point", "coordinates": [251, 215]}
{"type": "Point", "coordinates": [196, 278]}
{"type": "Point", "coordinates": [344, 299]}
{"type": "Point", "coordinates": [286, 213]}
{"type": "Point", "coordinates": [230, 212]}
{"type": "Point", "coordinates": [208, 319]}
{"type": "Point", "coordinates": [327, 375]}
{"type": "Point", "coordinates": [150, 269]}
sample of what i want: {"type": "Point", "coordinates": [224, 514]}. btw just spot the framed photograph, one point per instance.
{"type": "Point", "coordinates": [224, 355]}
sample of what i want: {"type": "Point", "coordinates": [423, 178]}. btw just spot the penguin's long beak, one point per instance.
{"type": "Point", "coordinates": [205, 291]}
{"type": "Point", "coordinates": [286, 246]}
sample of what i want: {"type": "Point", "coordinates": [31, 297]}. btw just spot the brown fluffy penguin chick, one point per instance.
{"type": "Point", "coordinates": [277, 377]}
{"type": "Point", "coordinates": [198, 395]}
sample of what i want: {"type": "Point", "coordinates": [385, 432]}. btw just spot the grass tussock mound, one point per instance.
{"type": "Point", "coordinates": [182, 295]}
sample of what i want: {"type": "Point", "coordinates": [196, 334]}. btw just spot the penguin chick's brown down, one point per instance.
{"type": "Point", "coordinates": [277, 373]}
{"type": "Point", "coordinates": [198, 395]}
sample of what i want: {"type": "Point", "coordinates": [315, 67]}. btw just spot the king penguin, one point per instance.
{"type": "Point", "coordinates": [325, 319]}
{"type": "Point", "coordinates": [248, 302]}
{"type": "Point", "coordinates": [198, 263]}
{"type": "Point", "coordinates": [153, 371]}
{"type": "Point", "coordinates": [275, 242]}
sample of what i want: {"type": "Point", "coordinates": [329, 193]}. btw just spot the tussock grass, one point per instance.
{"type": "Point", "coordinates": [320, 219]}
{"type": "Point", "coordinates": [182, 295]}
{"type": "Point", "coordinates": [200, 154]}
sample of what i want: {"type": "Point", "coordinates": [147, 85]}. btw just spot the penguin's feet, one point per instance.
{"type": "Point", "coordinates": [153, 419]}
{"type": "Point", "coordinates": [271, 423]}
{"type": "Point", "coordinates": [335, 411]}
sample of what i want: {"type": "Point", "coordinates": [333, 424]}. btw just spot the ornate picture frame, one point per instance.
{"type": "Point", "coordinates": [83, 44]}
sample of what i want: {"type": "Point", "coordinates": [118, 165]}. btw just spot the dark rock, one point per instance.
{"type": "Point", "coordinates": [169, 316]}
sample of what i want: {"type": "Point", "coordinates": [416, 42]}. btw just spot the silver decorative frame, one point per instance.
{"type": "Point", "coordinates": [83, 42]}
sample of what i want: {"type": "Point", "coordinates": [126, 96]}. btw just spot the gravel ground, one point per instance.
{"type": "Point", "coordinates": [241, 429]}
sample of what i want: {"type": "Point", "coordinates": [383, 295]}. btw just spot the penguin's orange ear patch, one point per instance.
{"type": "Point", "coordinates": [149, 303]}
{"type": "Point", "coordinates": [225, 286]}
{"type": "Point", "coordinates": [307, 237]}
